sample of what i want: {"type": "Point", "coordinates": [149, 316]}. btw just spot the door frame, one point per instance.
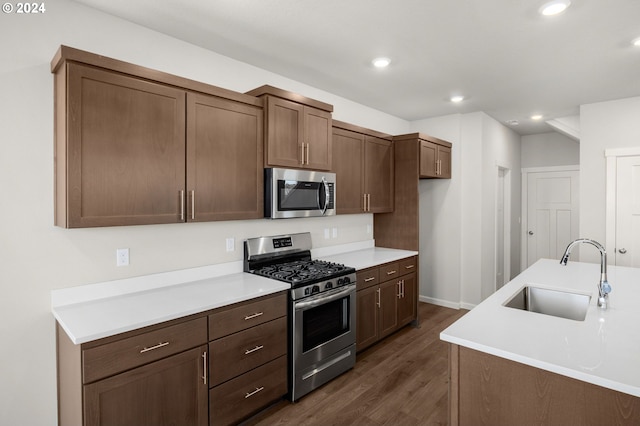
{"type": "Point", "coordinates": [612, 156]}
{"type": "Point", "coordinates": [524, 224]}
{"type": "Point", "coordinates": [506, 224]}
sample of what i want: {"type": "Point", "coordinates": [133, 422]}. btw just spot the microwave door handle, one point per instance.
{"type": "Point", "coordinates": [326, 196]}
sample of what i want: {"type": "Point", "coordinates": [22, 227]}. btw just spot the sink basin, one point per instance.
{"type": "Point", "coordinates": [558, 303]}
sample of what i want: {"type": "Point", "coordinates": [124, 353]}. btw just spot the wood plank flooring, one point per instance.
{"type": "Point", "coordinates": [402, 380]}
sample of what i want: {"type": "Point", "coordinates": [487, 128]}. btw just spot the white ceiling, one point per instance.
{"type": "Point", "coordinates": [508, 60]}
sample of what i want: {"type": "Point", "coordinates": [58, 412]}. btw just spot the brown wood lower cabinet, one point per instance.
{"type": "Point", "coordinates": [386, 300]}
{"type": "Point", "coordinates": [172, 391]}
{"type": "Point", "coordinates": [248, 363]}
{"type": "Point", "coordinates": [166, 374]}
{"type": "Point", "coordinates": [489, 390]}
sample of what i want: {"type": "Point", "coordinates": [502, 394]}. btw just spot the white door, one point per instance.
{"type": "Point", "coordinates": [627, 247]}
{"type": "Point", "coordinates": [552, 213]}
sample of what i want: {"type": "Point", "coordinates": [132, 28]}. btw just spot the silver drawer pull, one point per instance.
{"type": "Point", "coordinates": [250, 351]}
{"type": "Point", "coordinates": [366, 280]}
{"type": "Point", "coordinates": [409, 266]}
{"type": "Point", "coordinates": [250, 394]}
{"type": "Point", "coordinates": [391, 272]}
{"type": "Point", "coordinates": [158, 346]}
{"type": "Point", "coordinates": [257, 314]}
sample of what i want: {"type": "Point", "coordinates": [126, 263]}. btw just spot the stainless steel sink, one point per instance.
{"type": "Point", "coordinates": [558, 303]}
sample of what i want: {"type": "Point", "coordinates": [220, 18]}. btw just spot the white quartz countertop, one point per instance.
{"type": "Point", "coordinates": [95, 311]}
{"type": "Point", "coordinates": [366, 258]}
{"type": "Point", "coordinates": [604, 349]}
{"type": "Point", "coordinates": [107, 316]}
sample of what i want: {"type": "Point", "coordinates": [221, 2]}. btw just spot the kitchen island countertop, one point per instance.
{"type": "Point", "coordinates": [604, 349]}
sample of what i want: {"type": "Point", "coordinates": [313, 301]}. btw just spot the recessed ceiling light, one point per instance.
{"type": "Point", "coordinates": [381, 62]}
{"type": "Point", "coordinates": [554, 7]}
{"type": "Point", "coordinates": [457, 98]}
{"type": "Point", "coordinates": [636, 42]}
{"type": "Point", "coordinates": [536, 117]}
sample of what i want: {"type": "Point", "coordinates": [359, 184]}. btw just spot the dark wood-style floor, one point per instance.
{"type": "Point", "coordinates": [402, 380]}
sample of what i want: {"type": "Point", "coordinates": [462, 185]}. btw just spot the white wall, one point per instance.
{"type": "Point", "coordinates": [36, 257]}
{"type": "Point", "coordinates": [604, 125]}
{"type": "Point", "coordinates": [549, 149]}
{"type": "Point", "coordinates": [457, 226]}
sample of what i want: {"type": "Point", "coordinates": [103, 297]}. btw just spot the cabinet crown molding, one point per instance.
{"type": "Point", "coordinates": [290, 96]}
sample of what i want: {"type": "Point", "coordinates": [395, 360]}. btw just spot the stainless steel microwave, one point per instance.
{"type": "Point", "coordinates": [298, 193]}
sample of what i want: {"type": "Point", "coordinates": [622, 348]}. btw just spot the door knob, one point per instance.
{"type": "Point", "coordinates": [622, 251]}
{"type": "Point", "coordinates": [530, 232]}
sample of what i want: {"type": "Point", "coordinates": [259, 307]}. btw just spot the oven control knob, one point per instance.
{"type": "Point", "coordinates": [315, 289]}
{"type": "Point", "coordinates": [329, 285]}
{"type": "Point", "coordinates": [307, 291]}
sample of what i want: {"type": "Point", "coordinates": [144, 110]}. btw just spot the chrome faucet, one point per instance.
{"type": "Point", "coordinates": [603, 287]}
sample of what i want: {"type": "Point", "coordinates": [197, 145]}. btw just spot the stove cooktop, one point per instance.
{"type": "Point", "coordinates": [303, 272]}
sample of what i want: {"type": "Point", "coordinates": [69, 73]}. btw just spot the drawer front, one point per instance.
{"type": "Point", "coordinates": [407, 266]}
{"type": "Point", "coordinates": [236, 354]}
{"type": "Point", "coordinates": [229, 321]}
{"type": "Point", "coordinates": [238, 398]}
{"type": "Point", "coordinates": [121, 355]}
{"type": "Point", "coordinates": [389, 271]}
{"type": "Point", "coordinates": [367, 278]}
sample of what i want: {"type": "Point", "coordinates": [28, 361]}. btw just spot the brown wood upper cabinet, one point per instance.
{"type": "Point", "coordinates": [364, 167]}
{"type": "Point", "coordinates": [134, 146]}
{"type": "Point", "coordinates": [298, 130]}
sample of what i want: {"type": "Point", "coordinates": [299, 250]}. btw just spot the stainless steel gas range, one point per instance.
{"type": "Point", "coordinates": [322, 308]}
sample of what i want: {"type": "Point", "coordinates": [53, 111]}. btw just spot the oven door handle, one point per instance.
{"type": "Point", "coordinates": [324, 299]}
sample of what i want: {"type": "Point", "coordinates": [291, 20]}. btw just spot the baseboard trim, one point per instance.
{"type": "Point", "coordinates": [446, 303]}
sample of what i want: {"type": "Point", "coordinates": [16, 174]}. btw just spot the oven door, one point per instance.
{"type": "Point", "coordinates": [323, 340]}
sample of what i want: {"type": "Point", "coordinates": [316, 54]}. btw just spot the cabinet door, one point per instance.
{"type": "Point", "coordinates": [125, 150]}
{"type": "Point", "coordinates": [379, 170]}
{"type": "Point", "coordinates": [388, 310]}
{"type": "Point", "coordinates": [285, 133]}
{"type": "Point", "coordinates": [348, 155]}
{"type": "Point", "coordinates": [171, 391]}
{"type": "Point", "coordinates": [224, 160]}
{"type": "Point", "coordinates": [428, 158]}
{"type": "Point", "coordinates": [444, 157]}
{"type": "Point", "coordinates": [317, 137]}
{"type": "Point", "coordinates": [407, 300]}
{"type": "Point", "coordinates": [367, 317]}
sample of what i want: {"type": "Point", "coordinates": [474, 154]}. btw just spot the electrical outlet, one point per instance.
{"type": "Point", "coordinates": [369, 230]}
{"type": "Point", "coordinates": [231, 244]}
{"type": "Point", "coordinates": [122, 257]}
{"type": "Point", "coordinates": [327, 234]}
{"type": "Point", "coordinates": [334, 232]}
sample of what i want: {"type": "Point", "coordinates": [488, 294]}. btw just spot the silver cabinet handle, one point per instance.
{"type": "Point", "coordinates": [391, 272]}
{"type": "Point", "coordinates": [368, 202]}
{"type": "Point", "coordinates": [158, 346]}
{"type": "Point", "coordinates": [364, 202]}
{"type": "Point", "coordinates": [409, 266]}
{"type": "Point", "coordinates": [399, 295]}
{"type": "Point", "coordinates": [250, 351]}
{"type": "Point", "coordinates": [204, 367]}
{"type": "Point", "coordinates": [302, 153]}
{"type": "Point", "coordinates": [378, 301]}
{"type": "Point", "coordinates": [403, 289]}
{"type": "Point", "coordinates": [622, 251]}
{"type": "Point", "coordinates": [182, 205]}
{"type": "Point", "coordinates": [307, 153]}
{"type": "Point", "coordinates": [252, 316]}
{"type": "Point", "coordinates": [366, 280]}
{"type": "Point", "coordinates": [193, 204]}
{"type": "Point", "coordinates": [250, 394]}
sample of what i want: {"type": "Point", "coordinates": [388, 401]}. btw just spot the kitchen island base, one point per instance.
{"type": "Point", "coordinates": [488, 390]}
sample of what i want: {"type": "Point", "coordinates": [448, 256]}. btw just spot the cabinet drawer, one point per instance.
{"type": "Point", "coordinates": [389, 271]}
{"type": "Point", "coordinates": [367, 278]}
{"type": "Point", "coordinates": [115, 357]}
{"type": "Point", "coordinates": [229, 321]}
{"type": "Point", "coordinates": [248, 349]}
{"type": "Point", "coordinates": [407, 266]}
{"type": "Point", "coordinates": [238, 398]}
